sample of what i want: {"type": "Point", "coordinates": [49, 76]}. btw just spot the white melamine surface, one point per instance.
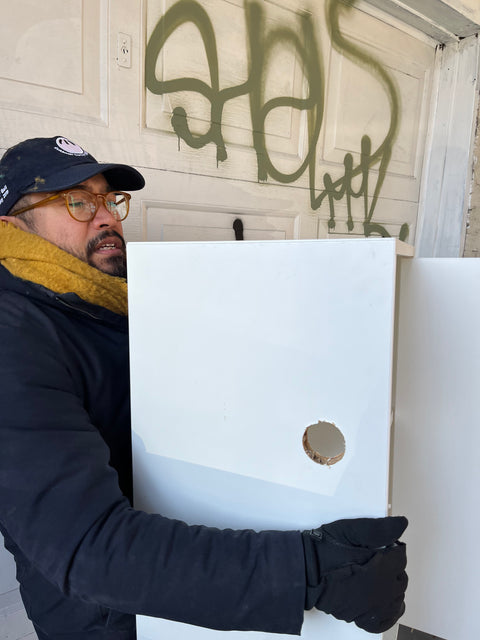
{"type": "Point", "coordinates": [436, 475]}
{"type": "Point", "coordinates": [235, 349]}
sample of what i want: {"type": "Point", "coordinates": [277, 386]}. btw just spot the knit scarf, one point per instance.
{"type": "Point", "coordinates": [32, 258]}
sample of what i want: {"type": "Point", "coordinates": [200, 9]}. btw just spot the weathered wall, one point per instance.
{"type": "Point", "coordinates": [472, 238]}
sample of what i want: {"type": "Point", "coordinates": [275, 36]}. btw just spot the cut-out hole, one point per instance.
{"type": "Point", "coordinates": [324, 443]}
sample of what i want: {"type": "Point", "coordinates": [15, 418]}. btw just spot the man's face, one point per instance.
{"type": "Point", "coordinates": [99, 242]}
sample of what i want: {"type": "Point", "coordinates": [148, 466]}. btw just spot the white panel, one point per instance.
{"type": "Point", "coordinates": [358, 101]}
{"type": "Point", "coordinates": [390, 213]}
{"type": "Point", "coordinates": [368, 113]}
{"type": "Point", "coordinates": [436, 474]}
{"type": "Point", "coordinates": [37, 36]}
{"type": "Point", "coordinates": [52, 58]}
{"type": "Point", "coordinates": [175, 224]}
{"type": "Point", "coordinates": [235, 349]}
{"type": "Point", "coordinates": [190, 204]}
{"type": "Point", "coordinates": [282, 75]}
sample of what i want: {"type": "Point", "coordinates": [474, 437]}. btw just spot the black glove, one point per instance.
{"type": "Point", "coordinates": [356, 570]}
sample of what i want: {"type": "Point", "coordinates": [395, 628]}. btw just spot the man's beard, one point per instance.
{"type": "Point", "coordinates": [115, 265]}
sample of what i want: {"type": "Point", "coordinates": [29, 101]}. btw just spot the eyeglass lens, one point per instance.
{"type": "Point", "coordinates": [83, 205]}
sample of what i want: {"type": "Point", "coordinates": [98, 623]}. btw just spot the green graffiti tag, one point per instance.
{"type": "Point", "coordinates": [260, 46]}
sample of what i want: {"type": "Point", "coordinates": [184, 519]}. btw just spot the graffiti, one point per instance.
{"type": "Point", "coordinates": [260, 46]}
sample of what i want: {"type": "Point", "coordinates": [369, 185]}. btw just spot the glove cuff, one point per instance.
{"type": "Point", "coordinates": [312, 572]}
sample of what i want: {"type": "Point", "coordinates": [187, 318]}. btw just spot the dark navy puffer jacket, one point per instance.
{"type": "Point", "coordinates": [86, 560]}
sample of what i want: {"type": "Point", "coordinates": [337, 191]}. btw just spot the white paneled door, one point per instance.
{"type": "Point", "coordinates": [303, 120]}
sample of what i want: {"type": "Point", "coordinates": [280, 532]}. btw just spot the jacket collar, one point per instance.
{"type": "Point", "coordinates": [67, 302]}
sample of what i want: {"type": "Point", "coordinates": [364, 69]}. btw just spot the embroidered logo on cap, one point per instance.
{"type": "Point", "coordinates": [64, 145]}
{"type": "Point", "coordinates": [3, 193]}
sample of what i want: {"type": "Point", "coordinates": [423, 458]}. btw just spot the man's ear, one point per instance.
{"type": "Point", "coordinates": [15, 221]}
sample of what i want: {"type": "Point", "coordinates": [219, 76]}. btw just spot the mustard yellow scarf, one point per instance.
{"type": "Point", "coordinates": [32, 258]}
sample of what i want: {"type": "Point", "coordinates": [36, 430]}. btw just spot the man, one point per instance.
{"type": "Point", "coordinates": [86, 560]}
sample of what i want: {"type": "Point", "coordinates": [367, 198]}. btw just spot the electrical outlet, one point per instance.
{"type": "Point", "coordinates": [124, 50]}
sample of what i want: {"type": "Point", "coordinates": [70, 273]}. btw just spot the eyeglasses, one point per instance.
{"type": "Point", "coordinates": [83, 205]}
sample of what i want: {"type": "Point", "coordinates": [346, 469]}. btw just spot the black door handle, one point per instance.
{"type": "Point", "coordinates": [238, 228]}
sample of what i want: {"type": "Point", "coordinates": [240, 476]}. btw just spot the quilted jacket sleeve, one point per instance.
{"type": "Point", "coordinates": [60, 503]}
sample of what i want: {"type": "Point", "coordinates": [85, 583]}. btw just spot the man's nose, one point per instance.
{"type": "Point", "coordinates": [103, 217]}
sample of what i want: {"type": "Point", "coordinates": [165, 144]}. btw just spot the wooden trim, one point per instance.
{"type": "Point", "coordinates": [434, 18]}
{"type": "Point", "coordinates": [448, 159]}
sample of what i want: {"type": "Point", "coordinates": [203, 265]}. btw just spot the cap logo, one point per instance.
{"type": "Point", "coordinates": [64, 145]}
{"type": "Point", "coordinates": [3, 193]}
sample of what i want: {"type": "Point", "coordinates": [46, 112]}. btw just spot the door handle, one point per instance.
{"type": "Point", "coordinates": [238, 228]}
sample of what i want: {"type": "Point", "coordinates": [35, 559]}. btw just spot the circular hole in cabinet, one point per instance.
{"type": "Point", "coordinates": [324, 443]}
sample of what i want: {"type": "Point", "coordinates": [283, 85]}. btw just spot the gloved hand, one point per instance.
{"type": "Point", "coordinates": [356, 570]}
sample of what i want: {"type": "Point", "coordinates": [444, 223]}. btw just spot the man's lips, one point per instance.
{"type": "Point", "coordinates": [110, 246]}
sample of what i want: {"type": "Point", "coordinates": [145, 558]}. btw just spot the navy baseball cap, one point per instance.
{"type": "Point", "coordinates": [40, 165]}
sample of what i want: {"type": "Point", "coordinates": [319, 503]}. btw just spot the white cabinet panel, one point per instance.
{"type": "Point", "coordinates": [436, 474]}
{"type": "Point", "coordinates": [236, 348]}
